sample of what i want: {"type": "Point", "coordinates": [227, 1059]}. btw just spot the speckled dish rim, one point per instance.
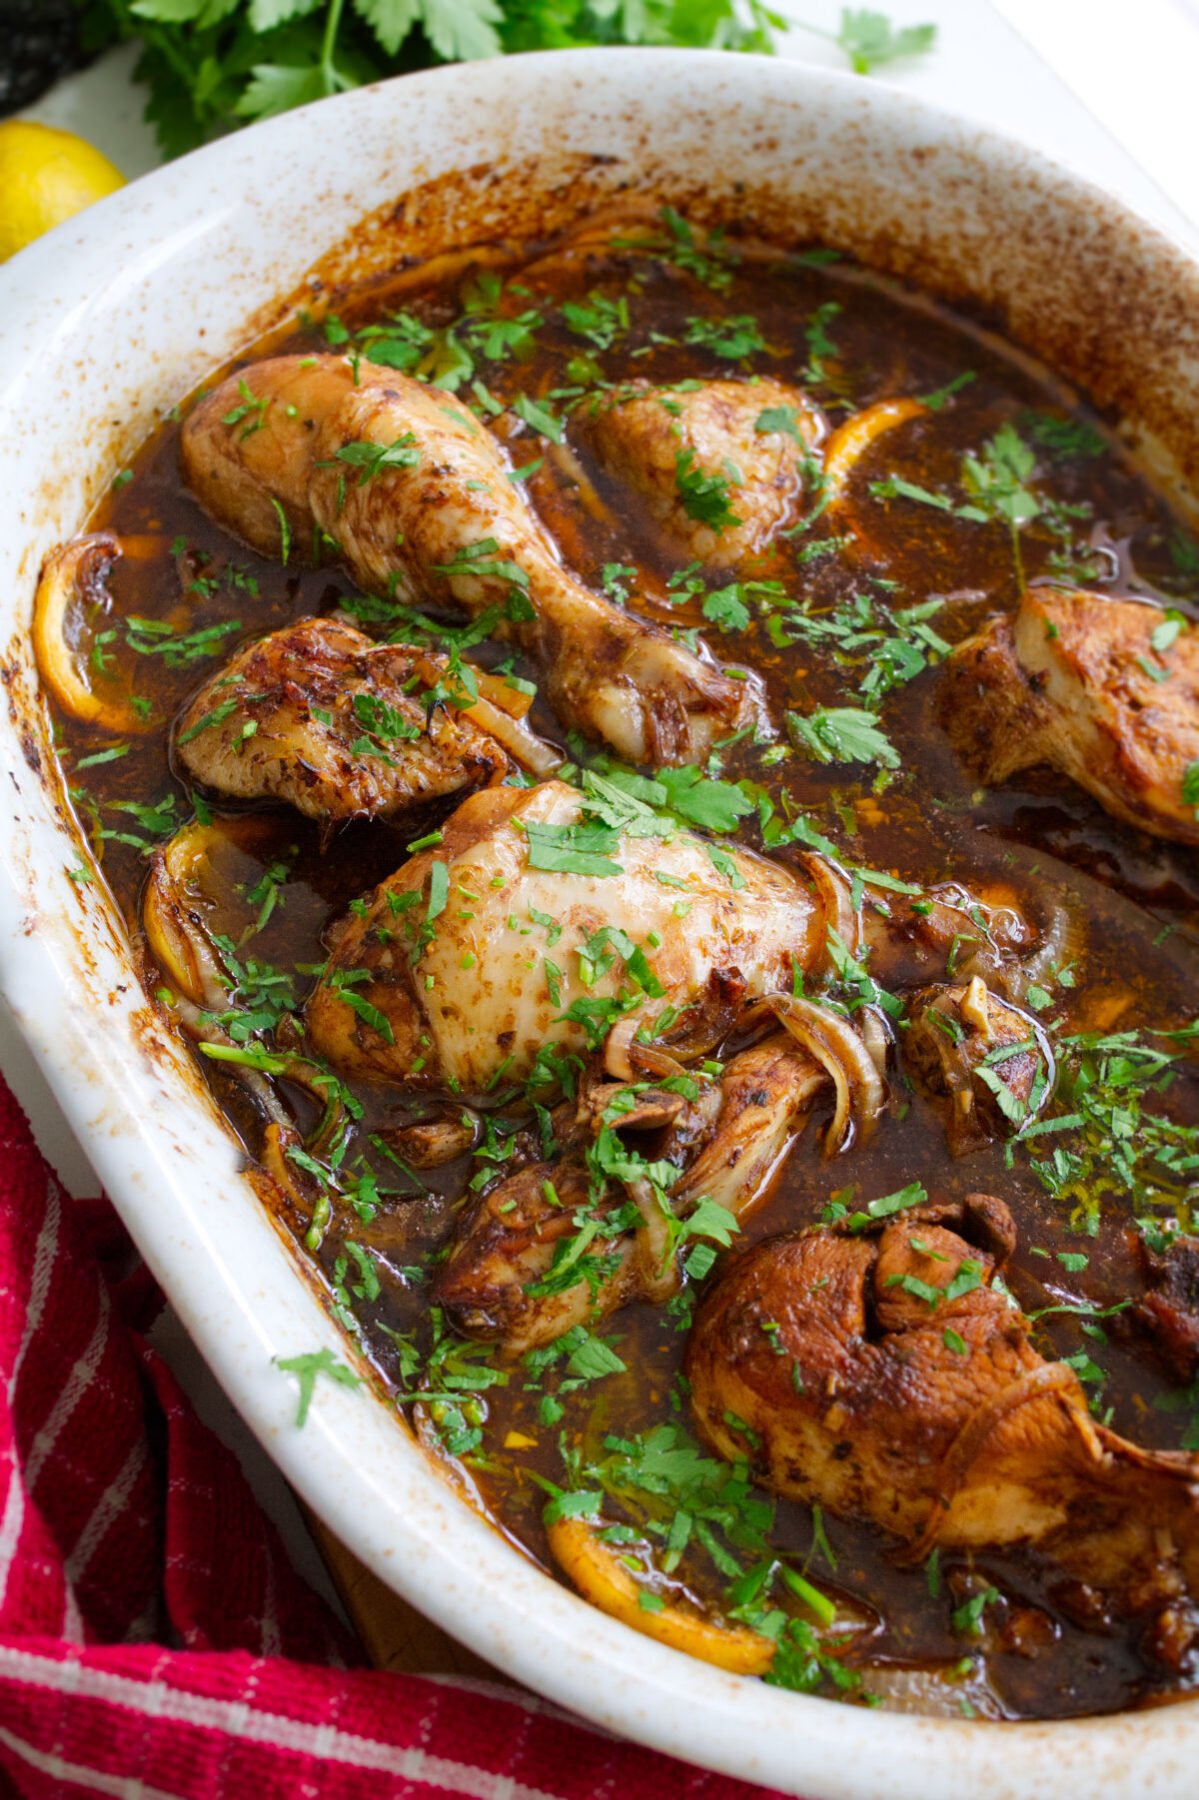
{"type": "Point", "coordinates": [102, 326]}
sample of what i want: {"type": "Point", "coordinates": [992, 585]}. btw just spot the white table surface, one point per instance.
{"type": "Point", "coordinates": [1106, 89]}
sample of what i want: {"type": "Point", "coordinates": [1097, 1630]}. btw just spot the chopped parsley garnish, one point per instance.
{"type": "Point", "coordinates": [779, 419]}
{"type": "Point", "coordinates": [382, 720]}
{"type": "Point", "coordinates": [451, 1381]}
{"type": "Point", "coordinates": [882, 647]}
{"type": "Point", "coordinates": [372, 459]}
{"type": "Point", "coordinates": [1190, 785]}
{"type": "Point", "coordinates": [915, 1194]}
{"type": "Point", "coordinates": [344, 983]}
{"type": "Point", "coordinates": [601, 321]}
{"type": "Point", "coordinates": [842, 734]}
{"type": "Point", "coordinates": [708, 258]}
{"type": "Point", "coordinates": [732, 337]}
{"type": "Point", "coordinates": [967, 1618]}
{"type": "Point", "coordinates": [308, 1367]}
{"type": "Point", "coordinates": [582, 849]}
{"type": "Point", "coordinates": [705, 498]}
{"type": "Point", "coordinates": [178, 649]}
{"type": "Point", "coordinates": [725, 608]}
{"type": "Point", "coordinates": [249, 413]}
{"type": "Point", "coordinates": [820, 344]}
{"type": "Point", "coordinates": [1064, 437]}
{"type": "Point", "coordinates": [1108, 1134]}
{"type": "Point", "coordinates": [209, 720]}
{"type": "Point", "coordinates": [539, 417]}
{"type": "Point", "coordinates": [995, 482]}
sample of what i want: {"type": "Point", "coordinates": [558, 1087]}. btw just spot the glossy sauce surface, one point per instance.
{"type": "Point", "coordinates": [826, 619]}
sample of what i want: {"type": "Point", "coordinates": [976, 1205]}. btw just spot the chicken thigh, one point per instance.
{"type": "Point", "coordinates": [342, 728]}
{"type": "Point", "coordinates": [1104, 690]}
{"type": "Point", "coordinates": [494, 946]}
{"type": "Point", "coordinates": [721, 463]}
{"type": "Point", "coordinates": [877, 1368]}
{"type": "Point", "coordinates": [416, 494]}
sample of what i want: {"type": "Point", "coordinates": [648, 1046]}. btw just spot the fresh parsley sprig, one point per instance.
{"type": "Point", "coordinates": [213, 64]}
{"type": "Point", "coordinates": [871, 41]}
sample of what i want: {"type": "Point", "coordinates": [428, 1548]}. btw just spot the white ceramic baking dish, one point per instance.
{"type": "Point", "coordinates": [110, 319]}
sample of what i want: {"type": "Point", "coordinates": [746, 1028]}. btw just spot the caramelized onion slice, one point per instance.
{"type": "Point", "coordinates": [509, 700]}
{"type": "Point", "coordinates": [65, 574]}
{"type": "Point", "coordinates": [657, 1268]}
{"type": "Point", "coordinates": [601, 1577]}
{"type": "Point", "coordinates": [277, 1139]}
{"type": "Point", "coordinates": [835, 892]}
{"type": "Point", "coordinates": [841, 1050]}
{"type": "Point", "coordinates": [523, 745]}
{"type": "Point", "coordinates": [850, 441]}
{"type": "Point", "coordinates": [627, 1060]}
{"type": "Point", "coordinates": [499, 711]}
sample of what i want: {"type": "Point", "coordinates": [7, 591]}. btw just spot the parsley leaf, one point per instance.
{"type": "Point", "coordinates": [212, 64]}
{"type": "Point", "coordinates": [372, 459]}
{"type": "Point", "coordinates": [779, 418]}
{"type": "Point", "coordinates": [710, 805]}
{"type": "Point", "coordinates": [732, 337]}
{"type": "Point", "coordinates": [583, 849]}
{"type": "Point", "coordinates": [306, 1369]}
{"type": "Point", "coordinates": [870, 40]}
{"type": "Point", "coordinates": [726, 609]}
{"type": "Point", "coordinates": [842, 734]}
{"type": "Point", "coordinates": [1190, 785]}
{"type": "Point", "coordinates": [705, 498]}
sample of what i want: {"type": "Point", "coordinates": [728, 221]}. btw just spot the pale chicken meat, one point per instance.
{"type": "Point", "coordinates": [340, 727]}
{"type": "Point", "coordinates": [514, 1274]}
{"type": "Point", "coordinates": [1075, 681]}
{"type": "Point", "coordinates": [720, 463]}
{"type": "Point", "coordinates": [879, 1370]}
{"type": "Point", "coordinates": [415, 494]}
{"type": "Point", "coordinates": [468, 959]}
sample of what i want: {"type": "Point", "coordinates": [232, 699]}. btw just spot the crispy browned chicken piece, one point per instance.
{"type": "Point", "coordinates": [1074, 681]}
{"type": "Point", "coordinates": [505, 1280]}
{"type": "Point", "coordinates": [878, 1370]}
{"type": "Point", "coordinates": [318, 715]}
{"type": "Point", "coordinates": [474, 968]}
{"type": "Point", "coordinates": [416, 494]}
{"type": "Point", "coordinates": [673, 445]}
{"type": "Point", "coordinates": [954, 1049]}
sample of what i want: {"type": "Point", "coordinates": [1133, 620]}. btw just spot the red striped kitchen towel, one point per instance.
{"type": "Point", "coordinates": [154, 1641]}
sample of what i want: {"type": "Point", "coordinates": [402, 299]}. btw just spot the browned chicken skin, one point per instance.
{"type": "Point", "coordinates": [660, 439]}
{"type": "Point", "coordinates": [416, 495]}
{"type": "Point", "coordinates": [1074, 681]}
{"type": "Point", "coordinates": [877, 1369]}
{"type": "Point", "coordinates": [499, 1282]}
{"type": "Point", "coordinates": [319, 715]}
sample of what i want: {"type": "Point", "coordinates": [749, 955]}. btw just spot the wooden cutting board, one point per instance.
{"type": "Point", "coordinates": [394, 1635]}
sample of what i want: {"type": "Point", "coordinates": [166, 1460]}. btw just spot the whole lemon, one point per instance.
{"type": "Point", "coordinates": [45, 177]}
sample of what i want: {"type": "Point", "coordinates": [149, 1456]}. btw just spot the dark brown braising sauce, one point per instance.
{"type": "Point", "coordinates": [847, 339]}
